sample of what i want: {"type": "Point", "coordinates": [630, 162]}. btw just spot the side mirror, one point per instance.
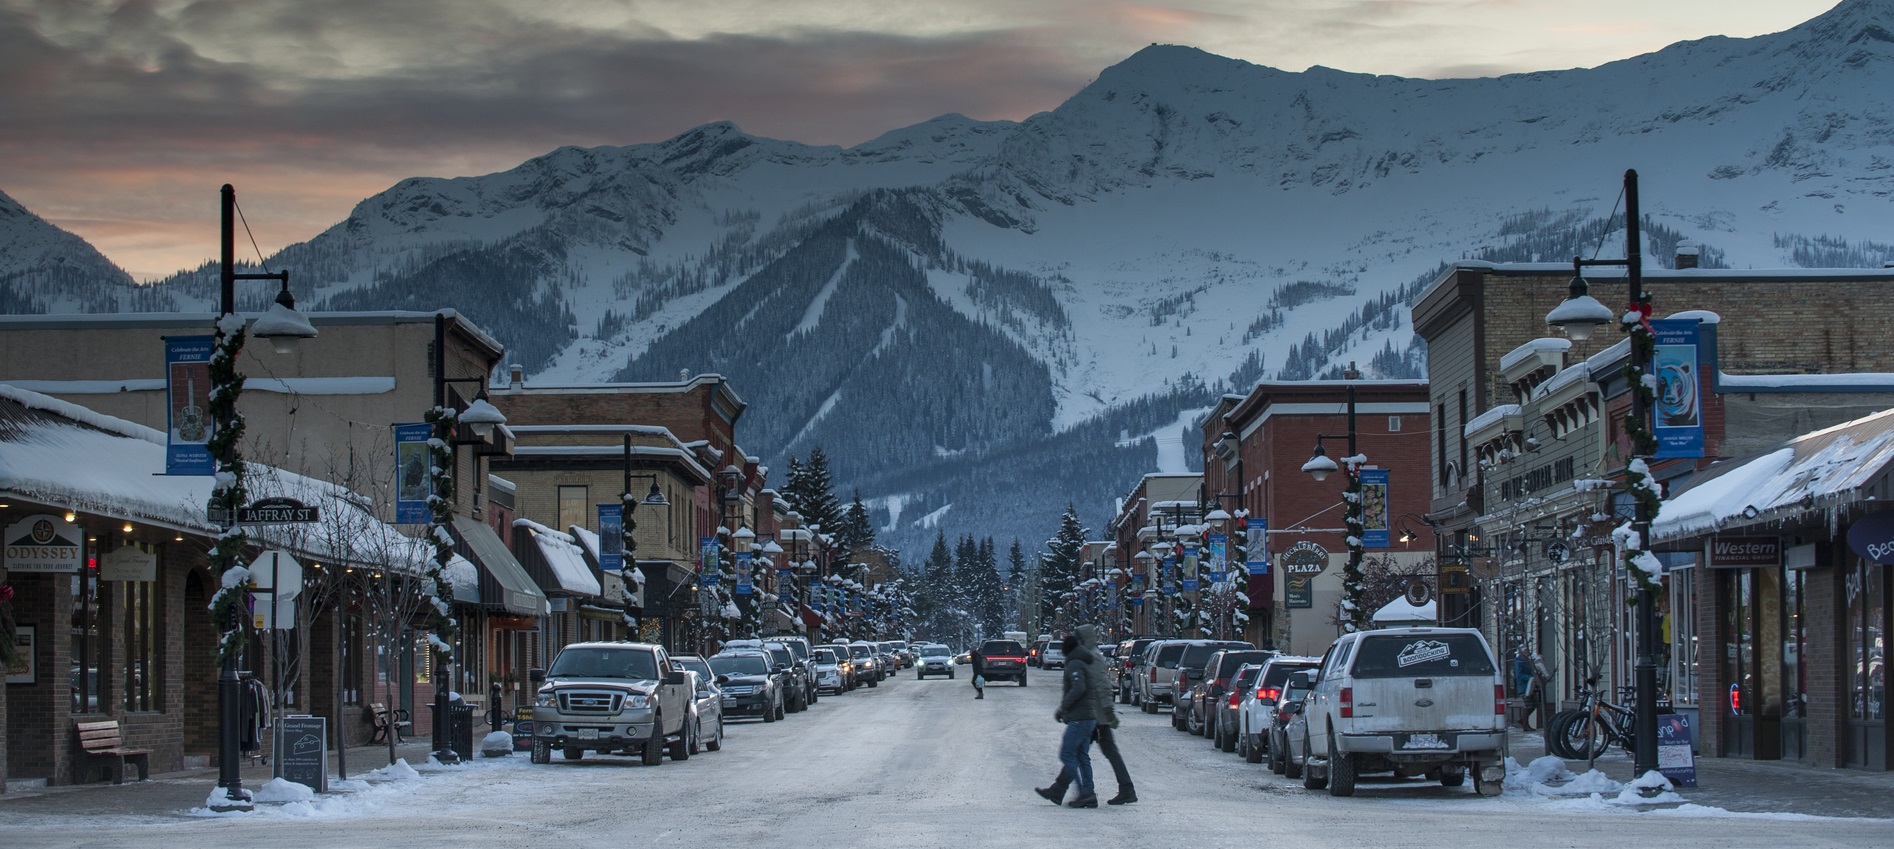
{"type": "Point", "coordinates": [782, 667]}
{"type": "Point", "coordinates": [675, 677]}
{"type": "Point", "coordinates": [537, 676]}
{"type": "Point", "coordinates": [722, 680]}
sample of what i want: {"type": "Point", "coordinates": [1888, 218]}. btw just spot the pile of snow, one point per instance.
{"type": "Point", "coordinates": [1548, 778]}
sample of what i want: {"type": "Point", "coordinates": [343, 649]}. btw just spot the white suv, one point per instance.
{"type": "Point", "coordinates": [1412, 701]}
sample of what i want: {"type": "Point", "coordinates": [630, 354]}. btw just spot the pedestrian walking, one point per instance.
{"type": "Point", "coordinates": [1077, 711]}
{"type": "Point", "coordinates": [979, 674]}
{"type": "Point", "coordinates": [1103, 735]}
{"type": "Point", "coordinates": [1528, 682]}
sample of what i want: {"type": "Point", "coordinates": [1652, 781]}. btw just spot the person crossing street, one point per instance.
{"type": "Point", "coordinates": [1107, 715]}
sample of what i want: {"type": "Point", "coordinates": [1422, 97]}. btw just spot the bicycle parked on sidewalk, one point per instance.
{"type": "Point", "coordinates": [1589, 730]}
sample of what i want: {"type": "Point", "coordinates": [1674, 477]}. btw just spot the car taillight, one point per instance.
{"type": "Point", "coordinates": [1236, 699]}
{"type": "Point", "coordinates": [1151, 675]}
{"type": "Point", "coordinates": [1346, 703]}
{"type": "Point", "coordinates": [1271, 693]}
{"type": "Point", "coordinates": [1499, 699]}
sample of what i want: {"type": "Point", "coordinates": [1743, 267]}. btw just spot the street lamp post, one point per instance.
{"type": "Point", "coordinates": [284, 327]}
{"type": "Point", "coordinates": [627, 527]}
{"type": "Point", "coordinates": [1579, 315]}
{"type": "Point", "coordinates": [1319, 467]}
{"type": "Point", "coordinates": [480, 418]}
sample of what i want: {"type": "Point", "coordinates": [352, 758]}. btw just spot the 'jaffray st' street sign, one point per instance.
{"type": "Point", "coordinates": [273, 511]}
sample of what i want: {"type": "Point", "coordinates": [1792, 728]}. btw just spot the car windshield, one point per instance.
{"type": "Point", "coordinates": [604, 663]}
{"type": "Point", "coordinates": [1246, 677]}
{"type": "Point", "coordinates": [781, 656]}
{"type": "Point", "coordinates": [702, 669]}
{"type": "Point", "coordinates": [739, 664]}
{"type": "Point", "coordinates": [1233, 660]}
{"type": "Point", "coordinates": [800, 650]}
{"type": "Point", "coordinates": [1279, 673]}
{"type": "Point", "coordinates": [1423, 655]}
{"type": "Point", "coordinates": [824, 656]}
{"type": "Point", "coordinates": [860, 650]}
{"type": "Point", "coordinates": [936, 651]}
{"type": "Point", "coordinates": [1167, 655]}
{"type": "Point", "coordinates": [1195, 656]}
{"type": "Point", "coordinates": [1002, 648]}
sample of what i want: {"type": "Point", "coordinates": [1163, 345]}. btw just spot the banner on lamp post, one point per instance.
{"type": "Point", "coordinates": [744, 586]}
{"type": "Point", "coordinates": [1190, 568]}
{"type": "Point", "coordinates": [611, 537]}
{"type": "Point", "coordinates": [1257, 550]}
{"type": "Point", "coordinates": [413, 483]}
{"type": "Point", "coordinates": [1215, 545]}
{"type": "Point", "coordinates": [1374, 508]}
{"type": "Point", "coordinates": [1677, 418]}
{"type": "Point", "coordinates": [187, 413]}
{"type": "Point", "coordinates": [707, 565]}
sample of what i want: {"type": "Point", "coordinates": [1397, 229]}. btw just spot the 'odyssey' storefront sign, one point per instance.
{"type": "Point", "coordinates": [1744, 552]}
{"type": "Point", "coordinates": [44, 543]}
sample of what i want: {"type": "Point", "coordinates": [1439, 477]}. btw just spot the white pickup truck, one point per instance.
{"type": "Point", "coordinates": [612, 697]}
{"type": "Point", "coordinates": [1412, 701]}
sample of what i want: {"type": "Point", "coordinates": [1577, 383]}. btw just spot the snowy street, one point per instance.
{"type": "Point", "coordinates": [911, 764]}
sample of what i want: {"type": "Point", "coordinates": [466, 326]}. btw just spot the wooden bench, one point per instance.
{"type": "Point", "coordinates": [378, 715]}
{"type": "Point", "coordinates": [102, 740]}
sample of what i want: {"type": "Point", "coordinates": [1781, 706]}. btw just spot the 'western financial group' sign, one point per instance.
{"type": "Point", "coordinates": [1744, 552]}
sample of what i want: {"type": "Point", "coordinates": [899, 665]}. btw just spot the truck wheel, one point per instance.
{"type": "Point", "coordinates": [653, 752]}
{"type": "Point", "coordinates": [1453, 776]}
{"type": "Point", "coordinates": [1341, 771]}
{"type": "Point", "coordinates": [542, 752]}
{"type": "Point", "coordinates": [574, 753]}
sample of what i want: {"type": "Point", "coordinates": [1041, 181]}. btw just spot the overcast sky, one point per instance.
{"type": "Point", "coordinates": [119, 120]}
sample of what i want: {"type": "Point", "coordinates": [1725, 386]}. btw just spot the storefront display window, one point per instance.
{"type": "Point", "coordinates": [1867, 649]}
{"type": "Point", "coordinates": [86, 645]}
{"type": "Point", "coordinates": [1680, 633]}
{"type": "Point", "coordinates": [140, 633]}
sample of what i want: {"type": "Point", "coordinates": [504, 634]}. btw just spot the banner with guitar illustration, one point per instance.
{"type": "Point", "coordinates": [187, 387]}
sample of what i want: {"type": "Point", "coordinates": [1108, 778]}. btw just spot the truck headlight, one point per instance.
{"type": "Point", "coordinates": [636, 701]}
{"type": "Point", "coordinates": [545, 700]}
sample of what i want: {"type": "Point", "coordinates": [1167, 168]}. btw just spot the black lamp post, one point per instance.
{"type": "Point", "coordinates": [627, 528]}
{"type": "Point", "coordinates": [284, 327]}
{"type": "Point", "coordinates": [1579, 315]}
{"type": "Point", "coordinates": [480, 418]}
{"type": "Point", "coordinates": [1319, 467]}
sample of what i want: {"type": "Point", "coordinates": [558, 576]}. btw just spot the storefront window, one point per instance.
{"type": "Point", "coordinates": [1866, 630]}
{"type": "Point", "coordinates": [1739, 641]}
{"type": "Point", "coordinates": [140, 634]}
{"type": "Point", "coordinates": [1794, 646]}
{"type": "Point", "coordinates": [351, 661]}
{"type": "Point", "coordinates": [1680, 627]}
{"type": "Point", "coordinates": [86, 645]}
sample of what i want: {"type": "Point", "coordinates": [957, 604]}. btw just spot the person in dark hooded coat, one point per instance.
{"type": "Point", "coordinates": [1107, 714]}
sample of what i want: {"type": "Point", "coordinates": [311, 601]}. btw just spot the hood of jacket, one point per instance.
{"type": "Point", "coordinates": [1088, 636]}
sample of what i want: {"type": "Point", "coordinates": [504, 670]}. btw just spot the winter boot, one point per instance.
{"type": "Point", "coordinates": [1085, 800]}
{"type": "Point", "coordinates": [1054, 794]}
{"type": "Point", "coordinates": [1126, 795]}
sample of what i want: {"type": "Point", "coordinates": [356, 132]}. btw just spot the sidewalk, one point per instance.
{"type": "Point", "coordinates": [1751, 786]}
{"type": "Point", "coordinates": [176, 793]}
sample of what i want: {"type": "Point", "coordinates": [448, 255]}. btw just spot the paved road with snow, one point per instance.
{"type": "Point", "coordinates": [909, 764]}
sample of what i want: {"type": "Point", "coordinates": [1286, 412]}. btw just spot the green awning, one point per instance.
{"type": "Point", "coordinates": [504, 583]}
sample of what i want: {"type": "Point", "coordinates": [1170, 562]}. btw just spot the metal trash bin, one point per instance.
{"type": "Point", "coordinates": [460, 728]}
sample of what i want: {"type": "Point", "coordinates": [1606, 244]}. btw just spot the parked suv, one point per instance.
{"type": "Point", "coordinates": [1210, 684]}
{"type": "Point", "coordinates": [1155, 673]}
{"type": "Point", "coordinates": [936, 659]}
{"type": "Point", "coordinates": [1413, 701]}
{"type": "Point", "coordinates": [1257, 711]}
{"type": "Point", "coordinates": [1123, 661]}
{"type": "Point", "coordinates": [611, 697]}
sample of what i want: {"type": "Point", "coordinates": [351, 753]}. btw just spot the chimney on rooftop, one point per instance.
{"type": "Point", "coordinates": [519, 375]}
{"type": "Point", "coordinates": [1687, 255]}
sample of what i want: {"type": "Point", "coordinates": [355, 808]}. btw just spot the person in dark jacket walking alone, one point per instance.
{"type": "Point", "coordinates": [1080, 715]}
{"type": "Point", "coordinates": [979, 674]}
{"type": "Point", "coordinates": [1103, 735]}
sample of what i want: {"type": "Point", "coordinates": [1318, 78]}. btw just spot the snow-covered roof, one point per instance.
{"type": "Point", "coordinates": [1861, 382]}
{"type": "Point", "coordinates": [1490, 417]}
{"type": "Point", "coordinates": [565, 558]}
{"type": "Point", "coordinates": [1825, 469]}
{"type": "Point", "coordinates": [1399, 610]}
{"type": "Point", "coordinates": [58, 453]}
{"type": "Point", "coordinates": [1545, 344]}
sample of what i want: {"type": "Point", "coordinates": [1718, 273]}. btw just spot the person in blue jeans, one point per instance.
{"type": "Point", "coordinates": [1080, 716]}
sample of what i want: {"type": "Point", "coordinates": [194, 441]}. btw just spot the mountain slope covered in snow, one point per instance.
{"type": "Point", "coordinates": [992, 318]}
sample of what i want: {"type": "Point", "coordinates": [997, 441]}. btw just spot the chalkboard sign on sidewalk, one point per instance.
{"type": "Point", "coordinates": [1675, 745]}
{"type": "Point", "coordinates": [302, 753]}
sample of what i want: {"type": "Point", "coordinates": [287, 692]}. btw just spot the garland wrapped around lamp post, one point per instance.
{"type": "Point", "coordinates": [1579, 314]}
{"type": "Point", "coordinates": [1352, 614]}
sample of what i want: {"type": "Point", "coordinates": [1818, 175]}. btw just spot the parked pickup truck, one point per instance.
{"type": "Point", "coordinates": [1412, 701]}
{"type": "Point", "coordinates": [611, 697]}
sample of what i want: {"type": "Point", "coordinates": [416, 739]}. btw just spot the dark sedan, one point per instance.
{"type": "Point", "coordinates": [750, 689]}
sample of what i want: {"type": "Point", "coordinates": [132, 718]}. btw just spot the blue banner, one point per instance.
{"type": "Point", "coordinates": [187, 419]}
{"type": "Point", "coordinates": [1257, 549]}
{"type": "Point", "coordinates": [1677, 418]}
{"type": "Point", "coordinates": [743, 573]}
{"type": "Point", "coordinates": [1215, 545]}
{"type": "Point", "coordinates": [611, 537]}
{"type": "Point", "coordinates": [413, 483]}
{"type": "Point", "coordinates": [1190, 568]}
{"type": "Point", "coordinates": [1374, 508]}
{"type": "Point", "coordinates": [707, 565]}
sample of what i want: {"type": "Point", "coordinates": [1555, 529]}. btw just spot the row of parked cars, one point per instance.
{"type": "Point", "coordinates": [1408, 701]}
{"type": "Point", "coordinates": [639, 699]}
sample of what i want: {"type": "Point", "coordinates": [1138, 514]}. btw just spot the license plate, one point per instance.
{"type": "Point", "coordinates": [588, 734]}
{"type": "Point", "coordinates": [1426, 742]}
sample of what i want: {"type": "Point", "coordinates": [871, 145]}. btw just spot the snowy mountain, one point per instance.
{"type": "Point", "coordinates": [46, 269]}
{"type": "Point", "coordinates": [984, 321]}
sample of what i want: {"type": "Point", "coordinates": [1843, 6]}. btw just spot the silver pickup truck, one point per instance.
{"type": "Point", "coordinates": [612, 698]}
{"type": "Point", "coordinates": [1412, 701]}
